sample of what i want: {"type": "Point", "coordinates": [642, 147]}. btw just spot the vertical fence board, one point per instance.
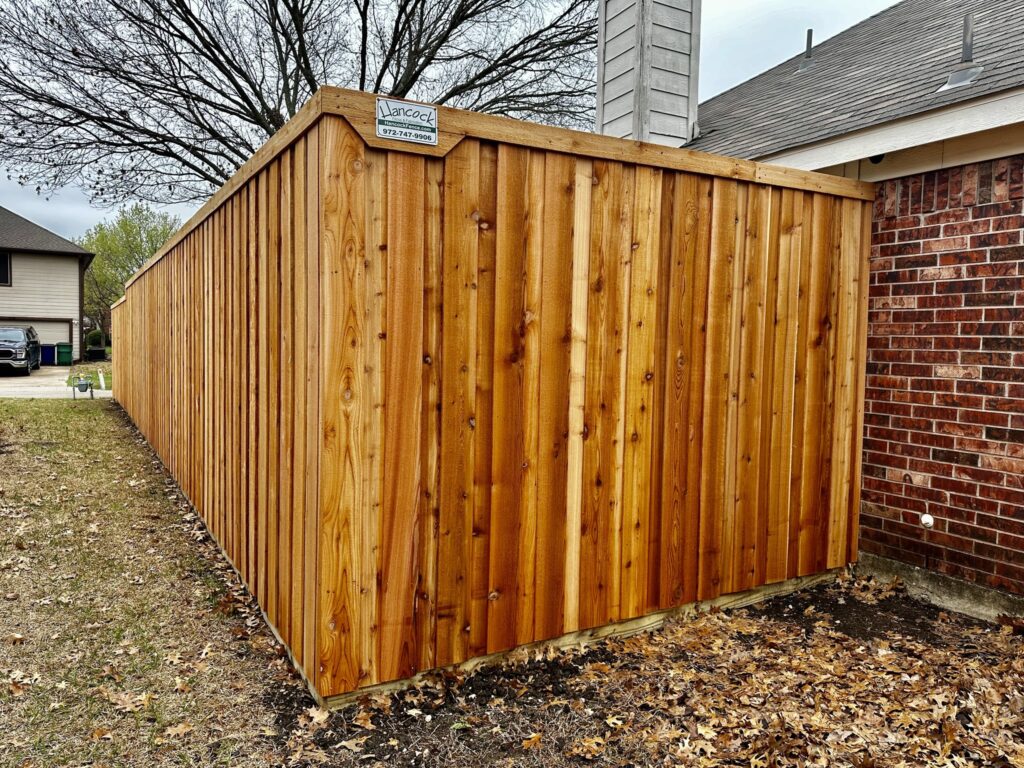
{"type": "Point", "coordinates": [508, 390]}
{"type": "Point", "coordinates": [458, 392]}
{"type": "Point", "coordinates": [343, 402]}
{"type": "Point", "coordinates": [604, 419]}
{"type": "Point", "coordinates": [480, 550]}
{"type": "Point", "coordinates": [439, 402]}
{"type": "Point", "coordinates": [582, 184]}
{"type": "Point", "coordinates": [555, 339]}
{"type": "Point", "coordinates": [430, 443]}
{"type": "Point", "coordinates": [311, 517]}
{"type": "Point", "coordinates": [718, 388]}
{"type": "Point", "coordinates": [685, 331]}
{"type": "Point", "coordinates": [402, 416]}
{"type": "Point", "coordinates": [641, 329]}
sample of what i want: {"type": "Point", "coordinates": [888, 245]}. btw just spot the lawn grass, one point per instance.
{"type": "Point", "coordinates": [125, 639]}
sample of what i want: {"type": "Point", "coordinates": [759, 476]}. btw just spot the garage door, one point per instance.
{"type": "Point", "coordinates": [52, 331]}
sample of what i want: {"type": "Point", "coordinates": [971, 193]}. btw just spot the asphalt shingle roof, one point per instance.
{"type": "Point", "coordinates": [19, 234]}
{"type": "Point", "coordinates": [884, 68]}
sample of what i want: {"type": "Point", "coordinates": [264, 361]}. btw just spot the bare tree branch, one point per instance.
{"type": "Point", "coordinates": [162, 100]}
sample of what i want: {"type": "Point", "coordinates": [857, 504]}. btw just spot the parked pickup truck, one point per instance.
{"type": "Point", "coordinates": [19, 348]}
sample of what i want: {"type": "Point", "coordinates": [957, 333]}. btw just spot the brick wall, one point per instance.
{"type": "Point", "coordinates": [944, 409]}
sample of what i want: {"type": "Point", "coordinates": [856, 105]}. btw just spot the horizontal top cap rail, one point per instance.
{"type": "Point", "coordinates": [360, 110]}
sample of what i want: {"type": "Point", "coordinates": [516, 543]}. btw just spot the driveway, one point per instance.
{"type": "Point", "coordinates": [49, 382]}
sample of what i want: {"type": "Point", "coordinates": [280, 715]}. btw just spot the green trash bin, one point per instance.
{"type": "Point", "coordinates": [64, 353]}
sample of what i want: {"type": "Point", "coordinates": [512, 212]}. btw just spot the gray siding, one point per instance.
{"type": "Point", "coordinates": [44, 287]}
{"type": "Point", "coordinates": [647, 69]}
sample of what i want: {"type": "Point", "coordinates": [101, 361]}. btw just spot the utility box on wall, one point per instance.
{"type": "Point", "coordinates": [437, 401]}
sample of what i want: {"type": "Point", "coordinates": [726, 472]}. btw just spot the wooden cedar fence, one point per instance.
{"type": "Point", "coordinates": [437, 402]}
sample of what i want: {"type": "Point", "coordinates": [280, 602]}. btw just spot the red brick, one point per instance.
{"type": "Point", "coordinates": [972, 503]}
{"type": "Point", "coordinates": [1007, 222]}
{"type": "Point", "coordinates": [919, 452]}
{"type": "Point", "coordinates": [942, 244]}
{"type": "Point", "coordinates": [1007, 208]}
{"type": "Point", "coordinates": [992, 388]}
{"type": "Point", "coordinates": [986, 418]}
{"type": "Point", "coordinates": [911, 289]}
{"type": "Point", "coordinates": [995, 373]}
{"type": "Point", "coordinates": [958, 371]}
{"type": "Point", "coordinates": [1004, 343]}
{"type": "Point", "coordinates": [979, 475]}
{"type": "Point", "coordinates": [932, 440]}
{"type": "Point", "coordinates": [899, 222]}
{"type": "Point", "coordinates": [996, 269]}
{"type": "Point", "coordinates": [995, 552]}
{"type": "Point", "coordinates": [964, 228]}
{"type": "Point", "coordinates": [903, 249]}
{"type": "Point", "coordinates": [969, 193]}
{"type": "Point", "coordinates": [986, 358]}
{"type": "Point", "coordinates": [960, 315]}
{"type": "Point", "coordinates": [989, 299]}
{"type": "Point", "coordinates": [980, 446]}
{"type": "Point", "coordinates": [944, 301]}
{"type": "Point", "coordinates": [985, 329]}
{"type": "Point", "coordinates": [956, 342]}
{"type": "Point", "coordinates": [964, 257]}
{"type": "Point", "coordinates": [930, 233]}
{"type": "Point", "coordinates": [960, 429]}
{"type": "Point", "coordinates": [891, 408]}
{"type": "Point", "coordinates": [933, 385]}
{"type": "Point", "coordinates": [1014, 253]}
{"type": "Point", "coordinates": [1007, 314]}
{"type": "Point", "coordinates": [936, 356]}
{"type": "Point", "coordinates": [1008, 495]}
{"type": "Point", "coordinates": [947, 217]}
{"type": "Point", "coordinates": [1006, 435]}
{"type": "Point", "coordinates": [995, 239]}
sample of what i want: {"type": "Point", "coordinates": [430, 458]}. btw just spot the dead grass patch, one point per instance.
{"type": "Point", "coordinates": [125, 640]}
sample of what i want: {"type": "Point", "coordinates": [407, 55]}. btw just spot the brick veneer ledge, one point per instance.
{"type": "Point", "coordinates": [944, 408]}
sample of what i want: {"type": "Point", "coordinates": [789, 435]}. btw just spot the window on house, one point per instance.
{"type": "Point", "coordinates": [5, 269]}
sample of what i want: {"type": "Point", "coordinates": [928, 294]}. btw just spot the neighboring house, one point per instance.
{"type": "Point", "coordinates": [42, 278]}
{"type": "Point", "coordinates": [944, 430]}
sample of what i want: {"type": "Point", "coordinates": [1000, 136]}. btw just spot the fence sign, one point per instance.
{"type": "Point", "coordinates": [405, 121]}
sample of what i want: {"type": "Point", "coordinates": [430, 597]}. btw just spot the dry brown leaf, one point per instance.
{"type": "Point", "coordinates": [532, 742]}
{"type": "Point", "coordinates": [364, 720]}
{"type": "Point", "coordinates": [354, 745]}
{"type": "Point", "coordinates": [318, 715]}
{"type": "Point", "coordinates": [176, 731]}
{"type": "Point", "coordinates": [589, 748]}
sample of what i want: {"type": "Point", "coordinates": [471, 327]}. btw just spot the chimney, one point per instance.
{"type": "Point", "coordinates": [647, 57]}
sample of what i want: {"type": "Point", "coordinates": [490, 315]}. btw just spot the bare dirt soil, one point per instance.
{"type": "Point", "coordinates": [126, 640]}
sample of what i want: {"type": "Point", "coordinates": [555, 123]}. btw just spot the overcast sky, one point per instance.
{"type": "Point", "coordinates": [739, 39]}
